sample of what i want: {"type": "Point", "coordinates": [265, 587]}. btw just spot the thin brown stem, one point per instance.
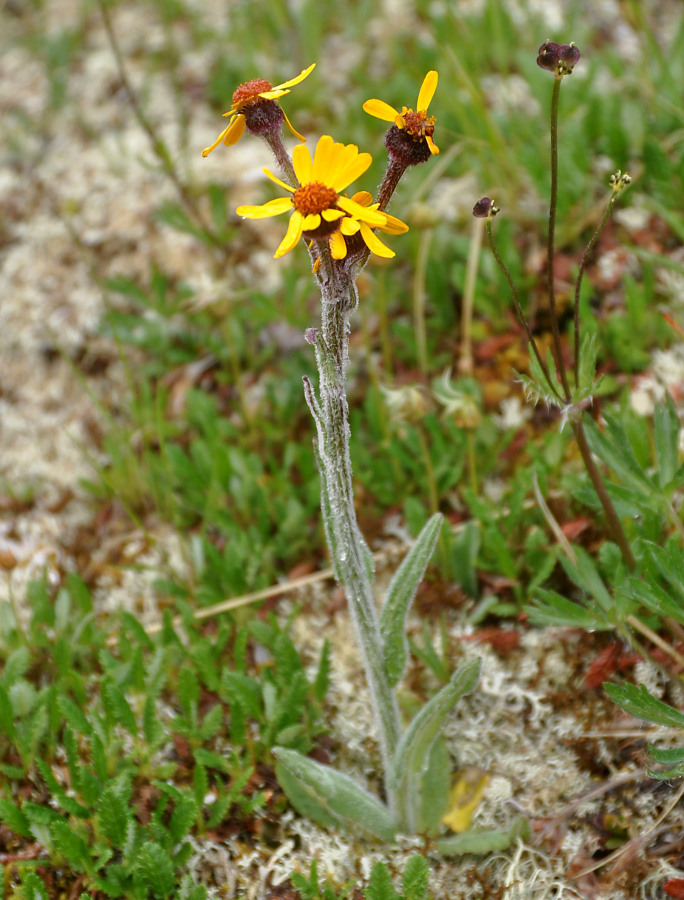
{"type": "Point", "coordinates": [580, 275]}
{"type": "Point", "coordinates": [519, 311]}
{"type": "Point", "coordinates": [551, 240]}
{"type": "Point", "coordinates": [617, 532]}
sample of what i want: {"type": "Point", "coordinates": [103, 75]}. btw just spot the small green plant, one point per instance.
{"type": "Point", "coordinates": [414, 883]}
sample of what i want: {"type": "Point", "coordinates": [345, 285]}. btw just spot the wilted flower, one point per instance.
{"type": "Point", "coordinates": [256, 108]}
{"type": "Point", "coordinates": [560, 59]}
{"type": "Point", "coordinates": [485, 209]}
{"type": "Point", "coordinates": [319, 211]}
{"type": "Point", "coordinates": [409, 403]}
{"type": "Point", "coordinates": [409, 140]}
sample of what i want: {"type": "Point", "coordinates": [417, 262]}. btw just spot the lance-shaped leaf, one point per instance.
{"type": "Point", "coordinates": [334, 798]}
{"type": "Point", "coordinates": [400, 594]}
{"type": "Point", "coordinates": [666, 435]}
{"type": "Point", "coordinates": [480, 841]}
{"type": "Point", "coordinates": [412, 754]}
{"type": "Point", "coordinates": [638, 702]}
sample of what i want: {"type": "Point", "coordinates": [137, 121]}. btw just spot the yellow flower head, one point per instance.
{"type": "Point", "coordinates": [319, 211]}
{"type": "Point", "coordinates": [411, 135]}
{"type": "Point", "coordinates": [256, 108]}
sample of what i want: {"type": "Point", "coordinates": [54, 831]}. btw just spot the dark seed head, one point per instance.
{"type": "Point", "coordinates": [405, 149]}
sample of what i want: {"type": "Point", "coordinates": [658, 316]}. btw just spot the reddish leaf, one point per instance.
{"type": "Point", "coordinates": [603, 666]}
{"type": "Point", "coordinates": [574, 528]}
{"type": "Point", "coordinates": [674, 887]}
{"type": "Point", "coordinates": [499, 638]}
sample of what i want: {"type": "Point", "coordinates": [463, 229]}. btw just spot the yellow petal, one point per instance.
{"type": "Point", "coordinates": [338, 246]}
{"type": "Point", "coordinates": [363, 198]}
{"type": "Point", "coordinates": [291, 83]}
{"type": "Point", "coordinates": [325, 150]}
{"type": "Point", "coordinates": [303, 166]}
{"type": "Point", "coordinates": [434, 149]}
{"type": "Point", "coordinates": [272, 208]}
{"type": "Point", "coordinates": [380, 110]}
{"type": "Point", "coordinates": [292, 128]}
{"type": "Point", "coordinates": [393, 226]}
{"type": "Point", "coordinates": [348, 227]}
{"type": "Point", "coordinates": [465, 797]}
{"type": "Point", "coordinates": [235, 130]}
{"type": "Point", "coordinates": [427, 91]}
{"type": "Point", "coordinates": [277, 180]}
{"type": "Point", "coordinates": [273, 94]}
{"type": "Point", "coordinates": [311, 222]}
{"type": "Point", "coordinates": [374, 244]}
{"type": "Point", "coordinates": [331, 215]}
{"type": "Point", "coordinates": [207, 150]}
{"type": "Point", "coordinates": [351, 171]}
{"type": "Point", "coordinates": [293, 234]}
{"type": "Point", "coordinates": [373, 217]}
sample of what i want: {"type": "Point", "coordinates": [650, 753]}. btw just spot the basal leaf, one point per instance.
{"type": "Point", "coordinates": [339, 799]}
{"type": "Point", "coordinates": [400, 594]}
{"type": "Point", "coordinates": [479, 841]}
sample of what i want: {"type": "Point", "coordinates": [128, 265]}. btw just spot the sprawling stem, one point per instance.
{"type": "Point", "coordinates": [353, 562]}
{"type": "Point", "coordinates": [551, 239]}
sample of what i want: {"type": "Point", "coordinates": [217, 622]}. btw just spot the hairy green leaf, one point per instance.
{"type": "Point", "coordinates": [400, 594]}
{"type": "Point", "coordinates": [380, 885]}
{"type": "Point", "coordinates": [154, 870]}
{"type": "Point", "coordinates": [415, 878]}
{"type": "Point", "coordinates": [335, 797]}
{"type": "Point", "coordinates": [479, 841]}
{"type": "Point", "coordinates": [112, 816]}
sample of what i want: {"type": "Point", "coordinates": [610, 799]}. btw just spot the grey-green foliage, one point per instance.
{"type": "Point", "coordinates": [419, 772]}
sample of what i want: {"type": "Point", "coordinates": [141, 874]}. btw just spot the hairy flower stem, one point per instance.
{"type": "Point", "coordinates": [351, 557]}
{"type": "Point", "coordinates": [393, 175]}
{"type": "Point", "coordinates": [275, 142]}
{"type": "Point", "coordinates": [551, 240]}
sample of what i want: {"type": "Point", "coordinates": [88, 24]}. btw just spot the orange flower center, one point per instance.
{"type": "Point", "coordinates": [314, 197]}
{"type": "Point", "coordinates": [249, 92]}
{"type": "Point", "coordinates": [418, 124]}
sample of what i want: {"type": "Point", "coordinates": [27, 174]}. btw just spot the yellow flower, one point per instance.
{"type": "Point", "coordinates": [255, 107]}
{"type": "Point", "coordinates": [417, 124]}
{"type": "Point", "coordinates": [319, 211]}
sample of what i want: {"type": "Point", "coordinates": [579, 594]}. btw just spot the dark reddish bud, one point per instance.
{"type": "Point", "coordinates": [406, 149]}
{"type": "Point", "coordinates": [263, 116]}
{"type": "Point", "coordinates": [484, 208]}
{"type": "Point", "coordinates": [560, 59]}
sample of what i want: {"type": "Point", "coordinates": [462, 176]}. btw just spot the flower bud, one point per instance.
{"type": "Point", "coordinates": [485, 209]}
{"type": "Point", "coordinates": [560, 59]}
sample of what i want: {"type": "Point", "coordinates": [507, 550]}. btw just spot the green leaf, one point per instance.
{"type": "Point", "coordinates": [188, 694]}
{"type": "Point", "coordinates": [336, 797]}
{"type": "Point", "coordinates": [479, 841]}
{"type": "Point", "coordinates": [113, 817]}
{"type": "Point", "coordinates": [322, 681]}
{"type": "Point", "coordinates": [6, 715]}
{"type": "Point", "coordinates": [33, 887]}
{"type": "Point", "coordinates": [666, 435]}
{"type": "Point", "coordinates": [380, 885]}
{"type": "Point", "coordinates": [154, 870]}
{"type": "Point", "coordinates": [183, 817]}
{"type": "Point", "coordinates": [400, 594]}
{"type": "Point", "coordinates": [552, 609]}
{"type": "Point", "coordinates": [117, 707]}
{"type": "Point", "coordinates": [669, 756]}
{"type": "Point", "coordinates": [589, 350]}
{"type": "Point", "coordinates": [412, 754]}
{"type": "Point", "coordinates": [613, 447]}
{"type": "Point", "coordinates": [585, 574]}
{"type": "Point", "coordinates": [242, 689]}
{"type": "Point", "coordinates": [415, 878]}
{"type": "Point", "coordinates": [14, 819]}
{"type": "Point", "coordinates": [71, 845]}
{"type": "Point", "coordinates": [638, 702]}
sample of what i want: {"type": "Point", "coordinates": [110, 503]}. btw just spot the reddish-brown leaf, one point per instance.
{"type": "Point", "coordinates": [674, 887]}
{"type": "Point", "coordinates": [603, 666]}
